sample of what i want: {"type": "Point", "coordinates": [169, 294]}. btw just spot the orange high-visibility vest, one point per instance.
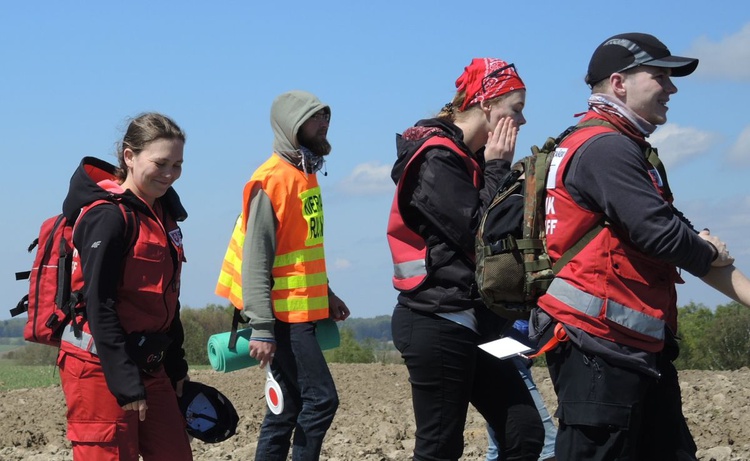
{"type": "Point", "coordinates": [230, 278]}
{"type": "Point", "coordinates": [300, 281]}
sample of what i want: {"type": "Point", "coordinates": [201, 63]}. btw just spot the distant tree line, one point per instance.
{"type": "Point", "coordinates": [219, 318]}
{"type": "Point", "coordinates": [717, 339]}
{"type": "Point", "coordinates": [375, 328]}
{"type": "Point", "coordinates": [710, 339]}
{"type": "Point", "coordinates": [200, 324]}
{"type": "Point", "coordinates": [12, 328]}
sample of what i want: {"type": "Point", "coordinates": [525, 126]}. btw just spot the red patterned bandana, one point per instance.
{"type": "Point", "coordinates": [487, 78]}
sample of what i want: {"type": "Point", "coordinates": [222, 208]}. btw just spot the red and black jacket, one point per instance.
{"type": "Point", "coordinates": [441, 199]}
{"type": "Point", "coordinates": [130, 287]}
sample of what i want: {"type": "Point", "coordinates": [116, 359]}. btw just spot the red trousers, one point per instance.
{"type": "Point", "coordinates": [100, 430]}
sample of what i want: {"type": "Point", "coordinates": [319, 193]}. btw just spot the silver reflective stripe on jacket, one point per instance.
{"type": "Point", "coordinates": [409, 269]}
{"type": "Point", "coordinates": [616, 313]}
{"type": "Point", "coordinates": [85, 342]}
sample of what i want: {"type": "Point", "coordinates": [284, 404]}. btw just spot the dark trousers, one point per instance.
{"type": "Point", "coordinates": [609, 413]}
{"type": "Point", "coordinates": [447, 371]}
{"type": "Point", "coordinates": [310, 397]}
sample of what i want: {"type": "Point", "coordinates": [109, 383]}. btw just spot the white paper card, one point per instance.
{"type": "Point", "coordinates": [504, 348]}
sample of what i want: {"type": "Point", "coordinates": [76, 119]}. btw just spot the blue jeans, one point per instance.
{"type": "Point", "coordinates": [550, 431]}
{"type": "Point", "coordinates": [310, 397]}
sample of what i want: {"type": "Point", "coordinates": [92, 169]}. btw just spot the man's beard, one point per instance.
{"type": "Point", "coordinates": [317, 144]}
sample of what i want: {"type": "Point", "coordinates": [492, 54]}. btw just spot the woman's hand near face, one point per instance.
{"type": "Point", "coordinates": [501, 143]}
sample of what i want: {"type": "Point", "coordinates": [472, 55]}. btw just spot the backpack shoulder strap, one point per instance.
{"type": "Point", "coordinates": [132, 226]}
{"type": "Point", "coordinates": [132, 221]}
{"type": "Point", "coordinates": [594, 231]}
{"type": "Point", "coordinates": [568, 131]}
{"type": "Point", "coordinates": [577, 247]}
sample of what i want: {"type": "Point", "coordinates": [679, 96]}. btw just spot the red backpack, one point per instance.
{"type": "Point", "coordinates": [51, 303]}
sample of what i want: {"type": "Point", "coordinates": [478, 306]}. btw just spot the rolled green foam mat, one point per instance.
{"type": "Point", "coordinates": [224, 360]}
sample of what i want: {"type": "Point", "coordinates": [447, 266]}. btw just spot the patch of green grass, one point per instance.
{"type": "Point", "coordinates": [13, 341]}
{"type": "Point", "coordinates": [10, 344]}
{"type": "Point", "coordinates": [14, 376]}
{"type": "Point", "coordinates": [8, 347]}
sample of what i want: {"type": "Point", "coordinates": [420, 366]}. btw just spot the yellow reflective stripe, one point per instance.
{"type": "Point", "coordinates": [299, 281]}
{"type": "Point", "coordinates": [300, 304]}
{"type": "Point", "coordinates": [294, 257]}
{"type": "Point", "coordinates": [229, 284]}
{"type": "Point", "coordinates": [225, 280]}
{"type": "Point", "coordinates": [230, 268]}
{"type": "Point", "coordinates": [238, 235]}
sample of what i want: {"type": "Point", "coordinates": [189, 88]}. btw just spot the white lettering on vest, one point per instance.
{"type": "Point", "coordinates": [74, 263]}
{"type": "Point", "coordinates": [549, 205]}
{"type": "Point", "coordinates": [551, 225]}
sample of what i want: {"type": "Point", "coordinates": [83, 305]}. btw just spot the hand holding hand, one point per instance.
{"type": "Point", "coordinates": [723, 258]}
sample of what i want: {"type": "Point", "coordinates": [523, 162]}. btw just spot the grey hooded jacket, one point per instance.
{"type": "Point", "coordinates": [288, 112]}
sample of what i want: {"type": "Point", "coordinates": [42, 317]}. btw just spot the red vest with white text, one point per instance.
{"type": "Point", "coordinates": [610, 289]}
{"type": "Point", "coordinates": [149, 289]}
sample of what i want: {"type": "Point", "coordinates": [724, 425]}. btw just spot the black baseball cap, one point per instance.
{"type": "Point", "coordinates": [626, 51]}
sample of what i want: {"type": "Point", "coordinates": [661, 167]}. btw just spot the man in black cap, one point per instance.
{"type": "Point", "coordinates": [610, 316]}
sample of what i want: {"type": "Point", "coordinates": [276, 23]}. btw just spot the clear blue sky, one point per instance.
{"type": "Point", "coordinates": [72, 72]}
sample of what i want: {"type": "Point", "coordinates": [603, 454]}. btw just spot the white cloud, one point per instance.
{"type": "Point", "coordinates": [739, 153]}
{"type": "Point", "coordinates": [725, 59]}
{"type": "Point", "coordinates": [678, 144]}
{"type": "Point", "coordinates": [368, 178]}
{"type": "Point", "coordinates": [341, 263]}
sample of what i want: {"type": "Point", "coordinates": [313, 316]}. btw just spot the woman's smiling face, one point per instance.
{"type": "Point", "coordinates": [154, 169]}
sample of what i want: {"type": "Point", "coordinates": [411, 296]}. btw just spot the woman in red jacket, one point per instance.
{"type": "Point", "coordinates": [122, 365]}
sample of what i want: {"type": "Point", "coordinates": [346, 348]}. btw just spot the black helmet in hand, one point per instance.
{"type": "Point", "coordinates": [210, 416]}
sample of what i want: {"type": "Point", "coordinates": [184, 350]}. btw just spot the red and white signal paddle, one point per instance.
{"type": "Point", "coordinates": [274, 397]}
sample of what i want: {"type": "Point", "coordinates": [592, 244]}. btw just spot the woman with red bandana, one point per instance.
{"type": "Point", "coordinates": [447, 171]}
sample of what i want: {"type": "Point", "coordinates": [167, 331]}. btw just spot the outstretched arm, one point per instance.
{"type": "Point", "coordinates": [729, 281]}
